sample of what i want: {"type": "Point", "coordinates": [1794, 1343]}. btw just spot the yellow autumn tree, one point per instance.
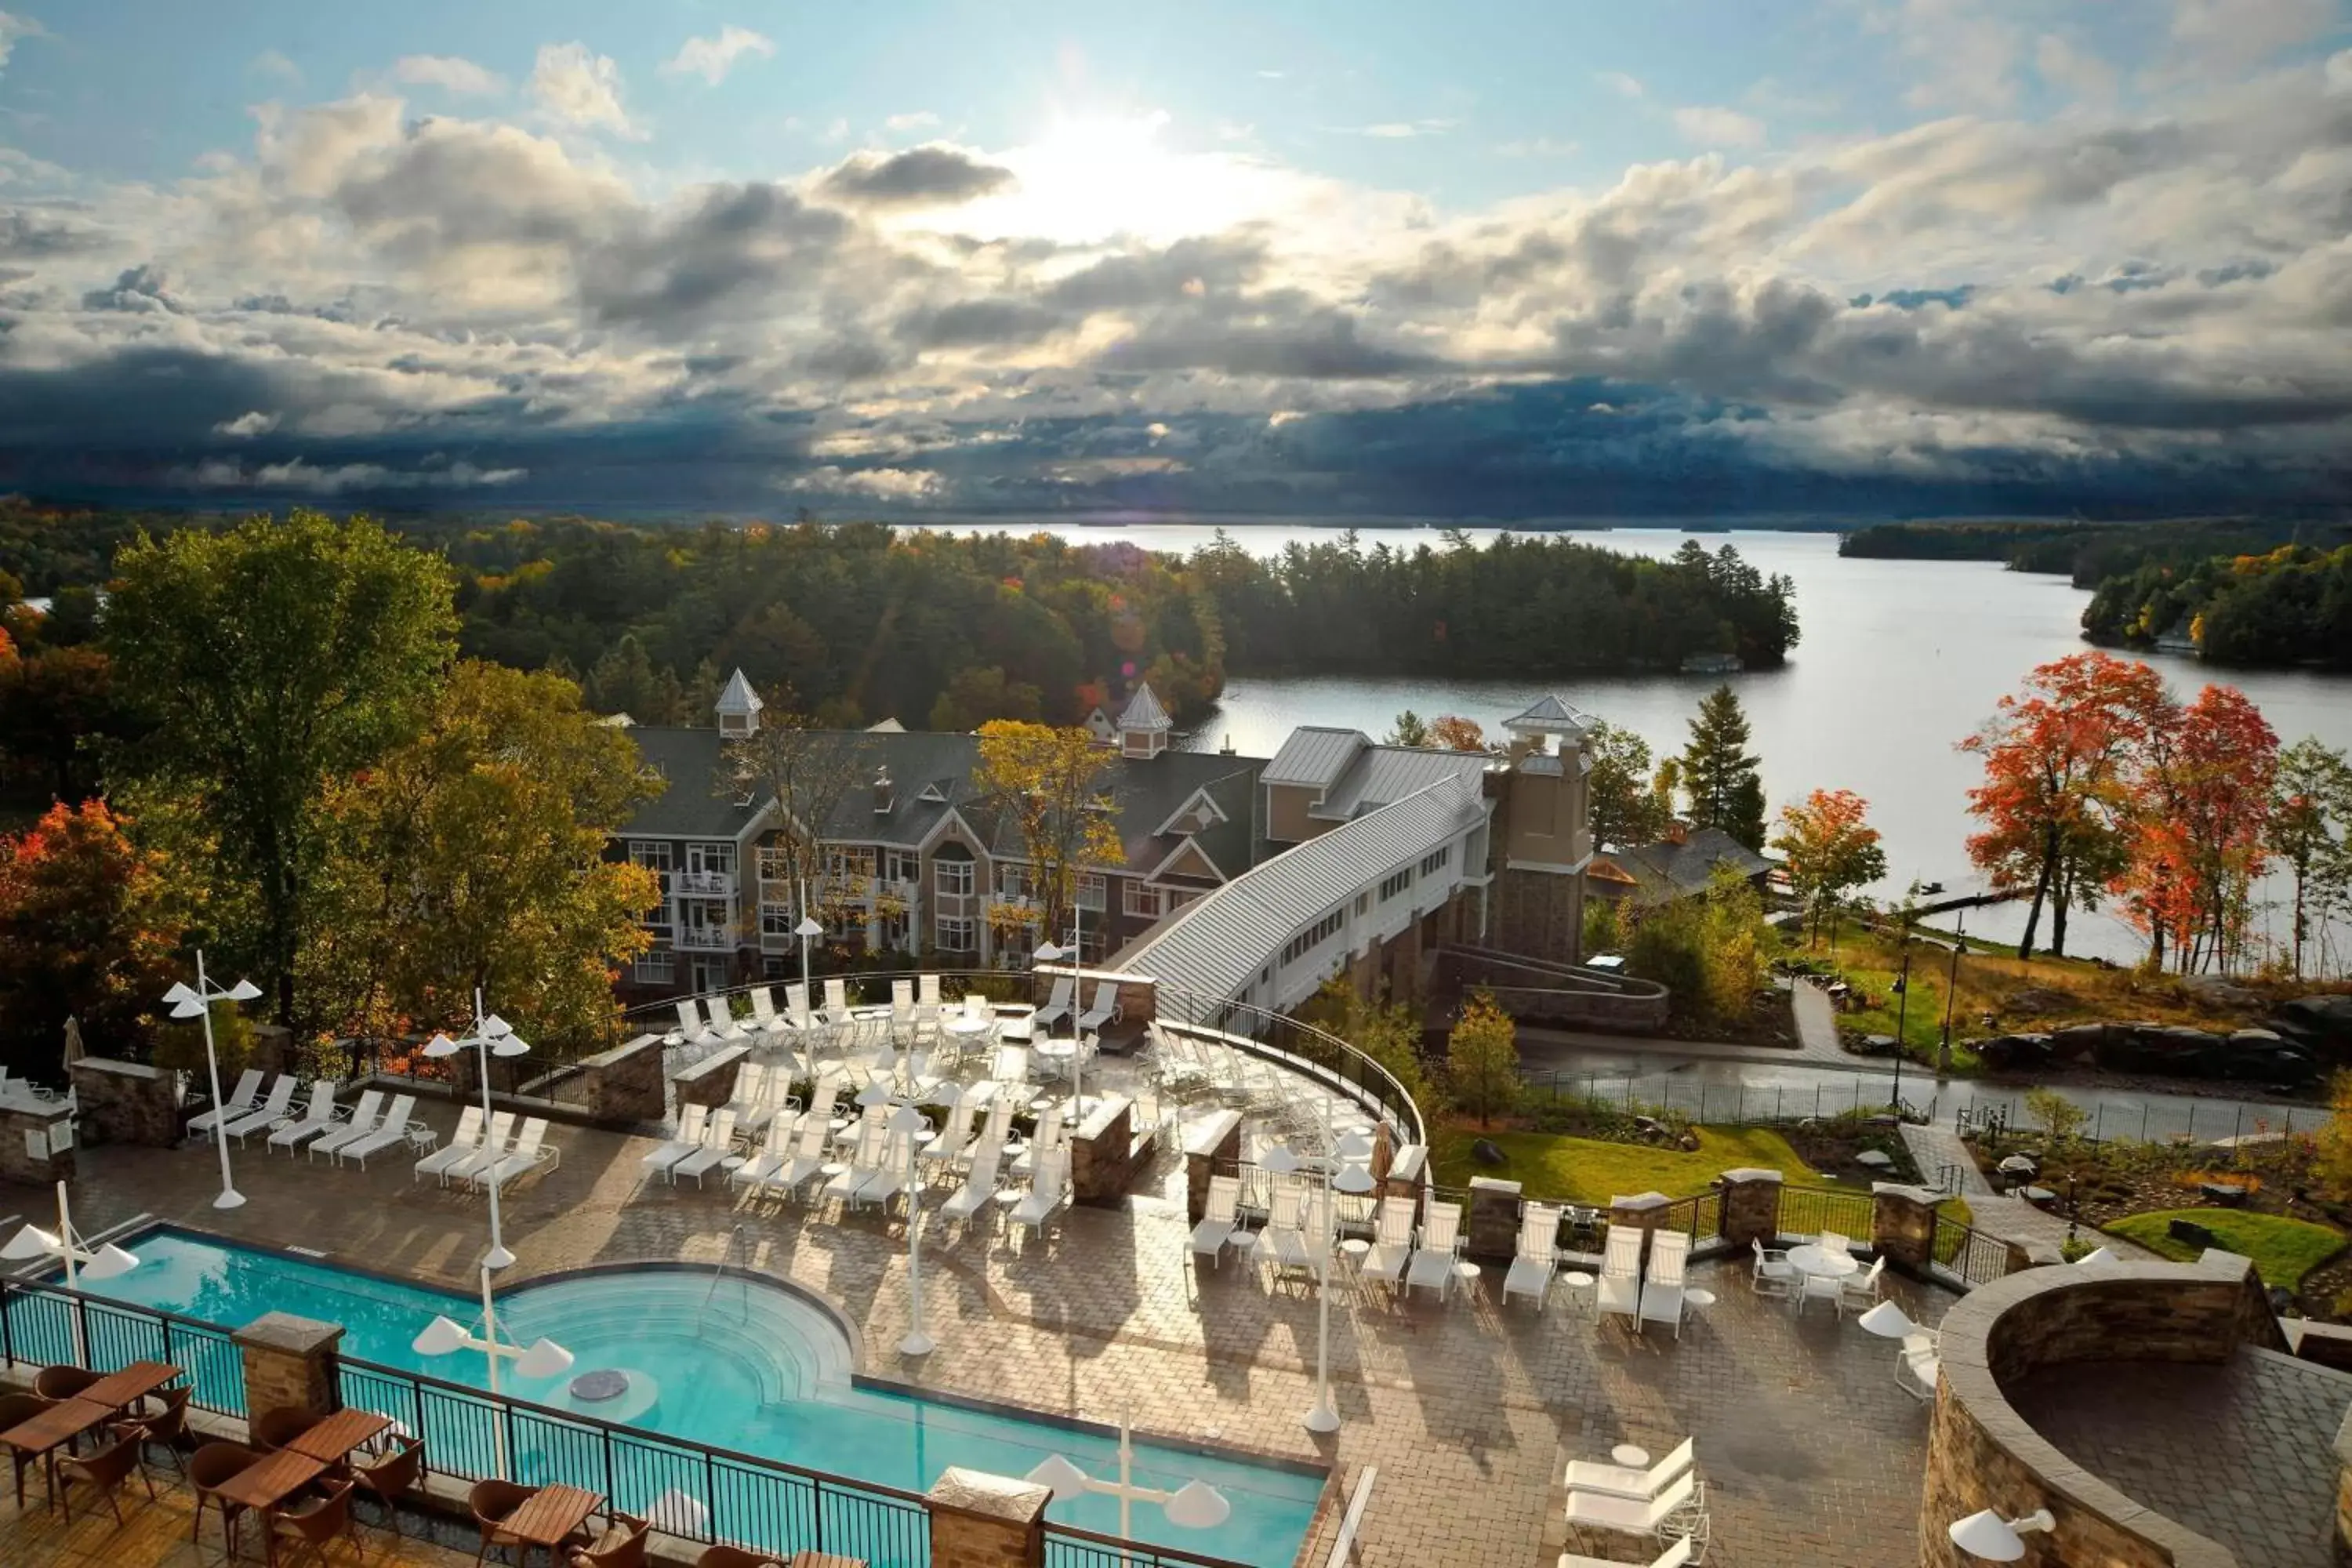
{"type": "Point", "coordinates": [1050, 783]}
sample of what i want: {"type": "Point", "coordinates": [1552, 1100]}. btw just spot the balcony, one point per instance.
{"type": "Point", "coordinates": [704, 939]}
{"type": "Point", "coordinates": [702, 884]}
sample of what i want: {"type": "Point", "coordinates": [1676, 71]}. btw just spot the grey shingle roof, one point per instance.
{"type": "Point", "coordinates": [1315, 755]}
{"type": "Point", "coordinates": [688, 759]}
{"type": "Point", "coordinates": [1687, 867]}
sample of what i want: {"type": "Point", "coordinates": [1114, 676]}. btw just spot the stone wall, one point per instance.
{"type": "Point", "coordinates": [1103, 1155]}
{"type": "Point", "coordinates": [1538, 913]}
{"type": "Point", "coordinates": [127, 1102]}
{"type": "Point", "coordinates": [1981, 1454]}
{"type": "Point", "coordinates": [1490, 1231]}
{"type": "Point", "coordinates": [48, 1122]}
{"type": "Point", "coordinates": [1643, 1212]}
{"type": "Point", "coordinates": [1215, 1140]}
{"type": "Point", "coordinates": [711, 1080]}
{"type": "Point", "coordinates": [624, 1084]}
{"type": "Point", "coordinates": [980, 1520]}
{"type": "Point", "coordinates": [1903, 1224]}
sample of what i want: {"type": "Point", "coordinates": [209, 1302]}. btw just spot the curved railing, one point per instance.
{"type": "Point", "coordinates": [1289, 1043]}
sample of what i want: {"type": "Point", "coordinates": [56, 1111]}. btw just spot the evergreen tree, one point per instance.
{"type": "Point", "coordinates": [1719, 772]}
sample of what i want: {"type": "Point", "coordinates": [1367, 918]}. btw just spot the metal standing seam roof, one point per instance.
{"type": "Point", "coordinates": [1315, 755]}
{"type": "Point", "coordinates": [1216, 944]}
{"type": "Point", "coordinates": [1550, 715]}
{"type": "Point", "coordinates": [1143, 711]}
{"type": "Point", "coordinates": [1380, 774]}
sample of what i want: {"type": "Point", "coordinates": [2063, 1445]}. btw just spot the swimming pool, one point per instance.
{"type": "Point", "coordinates": [725, 1361]}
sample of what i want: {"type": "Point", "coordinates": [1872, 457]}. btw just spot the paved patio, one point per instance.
{"type": "Point", "coordinates": [1810, 1452]}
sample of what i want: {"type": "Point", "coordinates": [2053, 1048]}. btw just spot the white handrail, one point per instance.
{"type": "Point", "coordinates": [1343, 1549]}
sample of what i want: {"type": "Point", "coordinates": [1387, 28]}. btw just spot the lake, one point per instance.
{"type": "Point", "coordinates": [1899, 660]}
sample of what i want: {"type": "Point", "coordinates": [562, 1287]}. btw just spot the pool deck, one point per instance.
{"type": "Point", "coordinates": [1810, 1452]}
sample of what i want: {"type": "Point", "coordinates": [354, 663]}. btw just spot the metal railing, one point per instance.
{"type": "Point", "coordinates": [1698, 1216]}
{"type": "Point", "coordinates": [48, 1325]}
{"type": "Point", "coordinates": [1967, 1253]}
{"type": "Point", "coordinates": [1809, 1211]}
{"type": "Point", "coordinates": [1067, 1546]}
{"type": "Point", "coordinates": [1725, 1104]}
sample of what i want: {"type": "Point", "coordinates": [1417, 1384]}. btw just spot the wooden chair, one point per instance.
{"type": "Point", "coordinates": [168, 1427]}
{"type": "Point", "coordinates": [273, 1429]}
{"type": "Point", "coordinates": [724, 1556]}
{"type": "Point", "coordinates": [15, 1410]}
{"type": "Point", "coordinates": [209, 1468]}
{"type": "Point", "coordinates": [105, 1470]}
{"type": "Point", "coordinates": [623, 1546]}
{"type": "Point", "coordinates": [491, 1502]}
{"type": "Point", "coordinates": [55, 1382]}
{"type": "Point", "coordinates": [315, 1526]}
{"type": "Point", "coordinates": [392, 1477]}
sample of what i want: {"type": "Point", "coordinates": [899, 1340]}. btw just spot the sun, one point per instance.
{"type": "Point", "coordinates": [1086, 178]}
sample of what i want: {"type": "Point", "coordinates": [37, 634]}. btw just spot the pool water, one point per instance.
{"type": "Point", "coordinates": [722, 1361]}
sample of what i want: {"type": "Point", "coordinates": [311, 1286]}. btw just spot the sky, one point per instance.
{"type": "Point", "coordinates": [1490, 259]}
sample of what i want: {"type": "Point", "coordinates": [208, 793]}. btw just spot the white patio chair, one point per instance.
{"type": "Point", "coordinates": [797, 1015]}
{"type": "Point", "coordinates": [391, 1130]}
{"type": "Point", "coordinates": [1391, 1249]}
{"type": "Point", "coordinates": [531, 1151]}
{"type": "Point", "coordinates": [1049, 1189]}
{"type": "Point", "coordinates": [1822, 1288]}
{"type": "Point", "coordinates": [1919, 1363]}
{"type": "Point", "coordinates": [1619, 1289]}
{"type": "Point", "coordinates": [691, 1121]}
{"type": "Point", "coordinates": [751, 1103]}
{"type": "Point", "coordinates": [1537, 1256]}
{"type": "Point", "coordinates": [979, 1189]}
{"type": "Point", "coordinates": [808, 1161]}
{"type": "Point", "coordinates": [1773, 1274]}
{"type": "Point", "coordinates": [763, 1011]}
{"type": "Point", "coordinates": [774, 1151]}
{"type": "Point", "coordinates": [1860, 1291]}
{"type": "Point", "coordinates": [954, 1137]}
{"type": "Point", "coordinates": [836, 1001]}
{"type": "Point", "coordinates": [1663, 1286]}
{"type": "Point", "coordinates": [1432, 1262]}
{"type": "Point", "coordinates": [241, 1103]}
{"type": "Point", "coordinates": [1056, 1008]}
{"type": "Point", "coordinates": [996, 1128]}
{"type": "Point", "coordinates": [1294, 1224]}
{"type": "Point", "coordinates": [889, 1179]}
{"type": "Point", "coordinates": [269, 1113]}
{"type": "Point", "coordinates": [1630, 1516]}
{"type": "Point", "coordinates": [1618, 1480]}
{"type": "Point", "coordinates": [1011, 1068]}
{"type": "Point", "coordinates": [820, 1108]}
{"type": "Point", "coordinates": [1675, 1556]}
{"type": "Point", "coordinates": [690, 1028]}
{"type": "Point", "coordinates": [1104, 1009]}
{"type": "Point", "coordinates": [722, 1018]}
{"type": "Point", "coordinates": [320, 1115]}
{"type": "Point", "coordinates": [495, 1145]}
{"type": "Point", "coordinates": [873, 1141]}
{"type": "Point", "coordinates": [1833, 1242]}
{"type": "Point", "coordinates": [363, 1122]}
{"type": "Point", "coordinates": [717, 1142]}
{"type": "Point", "coordinates": [1220, 1215]}
{"type": "Point", "coordinates": [462, 1144]}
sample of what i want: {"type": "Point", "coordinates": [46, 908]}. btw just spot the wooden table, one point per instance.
{"type": "Point", "coordinates": [548, 1518]}
{"type": "Point", "coordinates": [333, 1438]}
{"type": "Point", "coordinates": [806, 1558]}
{"type": "Point", "coordinates": [134, 1383]}
{"type": "Point", "coordinates": [269, 1480]}
{"type": "Point", "coordinates": [50, 1430]}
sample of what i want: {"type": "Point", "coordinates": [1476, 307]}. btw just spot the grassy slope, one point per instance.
{"type": "Point", "coordinates": [1587, 1171]}
{"type": "Point", "coordinates": [2284, 1250]}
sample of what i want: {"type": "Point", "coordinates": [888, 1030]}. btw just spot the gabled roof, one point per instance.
{"type": "Point", "coordinates": [1216, 944]}
{"type": "Point", "coordinates": [688, 759]}
{"type": "Point", "coordinates": [1549, 715]}
{"type": "Point", "coordinates": [1315, 755]}
{"type": "Point", "coordinates": [1143, 711]}
{"type": "Point", "coordinates": [737, 697]}
{"type": "Point", "coordinates": [1380, 774]}
{"type": "Point", "coordinates": [1668, 869]}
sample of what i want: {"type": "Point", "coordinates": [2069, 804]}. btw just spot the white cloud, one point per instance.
{"type": "Point", "coordinates": [575, 87]}
{"type": "Point", "coordinates": [450, 73]}
{"type": "Point", "coordinates": [1966, 53]}
{"type": "Point", "coordinates": [13, 27]}
{"type": "Point", "coordinates": [712, 58]}
{"type": "Point", "coordinates": [2339, 72]}
{"type": "Point", "coordinates": [2226, 35]}
{"type": "Point", "coordinates": [1538, 147]}
{"type": "Point", "coordinates": [837, 131]}
{"type": "Point", "coordinates": [2074, 72]}
{"type": "Point", "coordinates": [1399, 130]}
{"type": "Point", "coordinates": [1711, 125]}
{"type": "Point", "coordinates": [1621, 84]}
{"type": "Point", "coordinates": [876, 484]}
{"type": "Point", "coordinates": [255, 422]}
{"type": "Point", "coordinates": [269, 62]}
{"type": "Point", "coordinates": [916, 120]}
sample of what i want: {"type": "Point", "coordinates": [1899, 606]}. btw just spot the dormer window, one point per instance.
{"type": "Point", "coordinates": [932, 793]}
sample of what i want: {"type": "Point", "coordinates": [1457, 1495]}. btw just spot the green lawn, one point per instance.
{"type": "Point", "coordinates": [2284, 1250]}
{"type": "Point", "coordinates": [1587, 1171]}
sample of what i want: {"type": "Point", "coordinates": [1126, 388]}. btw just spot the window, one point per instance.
{"type": "Point", "coordinates": [898, 932]}
{"type": "Point", "coordinates": [1014, 881]}
{"type": "Point", "coordinates": [1094, 889]}
{"type": "Point", "coordinates": [1314, 936]}
{"type": "Point", "coordinates": [955, 879]}
{"type": "Point", "coordinates": [849, 862]}
{"type": "Point", "coordinates": [900, 866]}
{"type": "Point", "coordinates": [650, 853]}
{"type": "Point", "coordinates": [1435, 861]}
{"type": "Point", "coordinates": [655, 967]}
{"type": "Point", "coordinates": [775, 862]}
{"type": "Point", "coordinates": [713, 857]}
{"type": "Point", "coordinates": [776, 919]}
{"type": "Point", "coordinates": [1142, 899]}
{"type": "Point", "coordinates": [958, 934]}
{"type": "Point", "coordinates": [773, 967]}
{"type": "Point", "coordinates": [1363, 903]}
{"type": "Point", "coordinates": [1396, 884]}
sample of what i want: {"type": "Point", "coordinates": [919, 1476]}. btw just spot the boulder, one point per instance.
{"type": "Point", "coordinates": [2223, 1194]}
{"type": "Point", "coordinates": [1688, 1142]}
{"type": "Point", "coordinates": [1485, 1152]}
{"type": "Point", "coordinates": [2040, 999]}
{"type": "Point", "coordinates": [2007, 1053]}
{"type": "Point", "coordinates": [2321, 1023]}
{"type": "Point", "coordinates": [2221, 991]}
{"type": "Point", "coordinates": [2190, 1231]}
{"type": "Point", "coordinates": [2077, 1042]}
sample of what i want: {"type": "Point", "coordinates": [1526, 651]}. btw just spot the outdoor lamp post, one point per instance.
{"type": "Point", "coordinates": [1987, 1535]}
{"type": "Point", "coordinates": [81, 1260]}
{"type": "Point", "coordinates": [1195, 1505]}
{"type": "Point", "coordinates": [1049, 953]}
{"type": "Point", "coordinates": [1902, 1012]}
{"type": "Point", "coordinates": [1350, 1177]}
{"type": "Point", "coordinates": [807, 930]}
{"type": "Point", "coordinates": [197, 1002]}
{"type": "Point", "coordinates": [542, 1358]}
{"type": "Point", "coordinates": [907, 1119]}
{"type": "Point", "coordinates": [491, 1036]}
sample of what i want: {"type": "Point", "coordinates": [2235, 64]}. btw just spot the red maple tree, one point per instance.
{"type": "Point", "coordinates": [2199, 839]}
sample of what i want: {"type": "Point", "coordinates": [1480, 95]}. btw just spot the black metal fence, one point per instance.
{"type": "Point", "coordinates": [1809, 1211]}
{"type": "Point", "coordinates": [1069, 1547]}
{"type": "Point", "coordinates": [48, 1325]}
{"type": "Point", "coordinates": [1727, 1104]}
{"type": "Point", "coordinates": [1967, 1253]}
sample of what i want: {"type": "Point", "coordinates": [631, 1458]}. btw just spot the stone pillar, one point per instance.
{"type": "Point", "coordinates": [37, 1140]}
{"type": "Point", "coordinates": [1490, 1231]}
{"type": "Point", "coordinates": [289, 1363]}
{"type": "Point", "coordinates": [1751, 1206]}
{"type": "Point", "coordinates": [1138, 1002]}
{"type": "Point", "coordinates": [1215, 1140]}
{"type": "Point", "coordinates": [273, 1049]}
{"type": "Point", "coordinates": [711, 1080]}
{"type": "Point", "coordinates": [1902, 1223]}
{"type": "Point", "coordinates": [127, 1102]}
{"type": "Point", "coordinates": [1408, 1168]}
{"type": "Point", "coordinates": [980, 1520]}
{"type": "Point", "coordinates": [1644, 1212]}
{"type": "Point", "coordinates": [624, 1084]}
{"type": "Point", "coordinates": [1102, 1152]}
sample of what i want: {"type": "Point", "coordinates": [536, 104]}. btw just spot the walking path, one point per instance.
{"type": "Point", "coordinates": [1936, 1146]}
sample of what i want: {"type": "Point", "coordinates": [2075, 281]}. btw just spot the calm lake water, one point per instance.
{"type": "Point", "coordinates": [1899, 660]}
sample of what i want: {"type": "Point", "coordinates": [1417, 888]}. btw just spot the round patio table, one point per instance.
{"type": "Point", "coordinates": [1811, 1259]}
{"type": "Point", "coordinates": [966, 1024]}
{"type": "Point", "coordinates": [1352, 1253]}
{"type": "Point", "coordinates": [1700, 1298]}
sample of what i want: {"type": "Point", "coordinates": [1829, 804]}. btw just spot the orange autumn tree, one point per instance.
{"type": "Point", "coordinates": [1832, 850]}
{"type": "Point", "coordinates": [2199, 836]}
{"type": "Point", "coordinates": [2060, 769]}
{"type": "Point", "coordinates": [1454, 733]}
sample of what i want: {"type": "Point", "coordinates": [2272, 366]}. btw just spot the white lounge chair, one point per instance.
{"type": "Point", "coordinates": [1049, 1188]}
{"type": "Point", "coordinates": [1391, 1249]}
{"type": "Point", "coordinates": [820, 1108]}
{"type": "Point", "coordinates": [320, 1116]}
{"type": "Point", "coordinates": [1011, 1068]}
{"type": "Point", "coordinates": [1295, 1225]}
{"type": "Point", "coordinates": [836, 1001]}
{"type": "Point", "coordinates": [1219, 1216]}
{"type": "Point", "coordinates": [1919, 1363]}
{"type": "Point", "coordinates": [764, 1010]}
{"type": "Point", "coordinates": [1629, 1516]}
{"type": "Point", "coordinates": [269, 1113]}
{"type": "Point", "coordinates": [1056, 1008]}
{"type": "Point", "coordinates": [717, 1142]}
{"type": "Point", "coordinates": [979, 1189]}
{"type": "Point", "coordinates": [1773, 1274]}
{"type": "Point", "coordinates": [1537, 1256]}
{"type": "Point", "coordinates": [462, 1144]}
{"type": "Point", "coordinates": [808, 1161]}
{"type": "Point", "coordinates": [873, 1142]}
{"type": "Point", "coordinates": [1860, 1291]}
{"type": "Point", "coordinates": [241, 1103]}
{"type": "Point", "coordinates": [1673, 1556]}
{"type": "Point", "coordinates": [691, 1121]}
{"type": "Point", "coordinates": [721, 1013]}
{"type": "Point", "coordinates": [363, 1122]}
{"type": "Point", "coordinates": [1663, 1286]}
{"type": "Point", "coordinates": [776, 1150]}
{"type": "Point", "coordinates": [1619, 1289]}
{"type": "Point", "coordinates": [690, 1028]}
{"type": "Point", "coordinates": [1432, 1265]}
{"type": "Point", "coordinates": [530, 1151]}
{"type": "Point", "coordinates": [391, 1130]}
{"type": "Point", "coordinates": [797, 1013]}
{"type": "Point", "coordinates": [495, 1145]}
{"type": "Point", "coordinates": [889, 1178]}
{"type": "Point", "coordinates": [1618, 1480]}
{"type": "Point", "coordinates": [949, 1147]}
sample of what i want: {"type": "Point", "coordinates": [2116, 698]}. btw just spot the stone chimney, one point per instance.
{"type": "Point", "coordinates": [884, 792]}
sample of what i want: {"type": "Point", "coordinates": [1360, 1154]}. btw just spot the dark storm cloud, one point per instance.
{"type": "Point", "coordinates": [32, 236]}
{"type": "Point", "coordinates": [930, 175]}
{"type": "Point", "coordinates": [140, 288]}
{"type": "Point", "coordinates": [978, 323]}
{"type": "Point", "coordinates": [738, 245]}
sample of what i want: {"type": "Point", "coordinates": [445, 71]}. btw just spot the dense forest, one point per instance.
{"type": "Point", "coordinates": [2289, 605]}
{"type": "Point", "coordinates": [2087, 553]}
{"type": "Point", "coordinates": [861, 621]}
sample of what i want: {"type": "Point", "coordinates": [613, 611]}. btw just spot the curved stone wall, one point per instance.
{"type": "Point", "coordinates": [1982, 1454]}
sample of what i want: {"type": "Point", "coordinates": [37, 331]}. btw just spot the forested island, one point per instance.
{"type": "Point", "coordinates": [864, 621]}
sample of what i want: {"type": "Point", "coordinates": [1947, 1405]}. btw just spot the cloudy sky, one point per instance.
{"type": "Point", "coordinates": [1497, 257]}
